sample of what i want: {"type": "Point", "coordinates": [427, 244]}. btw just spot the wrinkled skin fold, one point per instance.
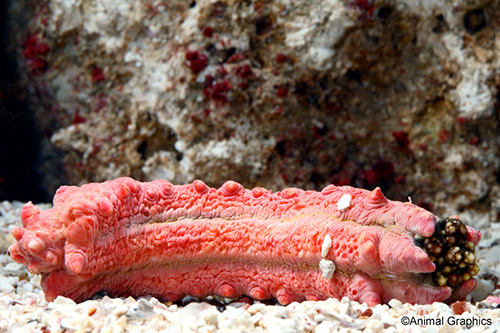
{"type": "Point", "coordinates": [130, 238]}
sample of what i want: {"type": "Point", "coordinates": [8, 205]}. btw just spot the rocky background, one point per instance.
{"type": "Point", "coordinates": [399, 94]}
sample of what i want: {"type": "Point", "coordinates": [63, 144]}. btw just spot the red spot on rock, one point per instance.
{"type": "Point", "coordinates": [243, 85]}
{"type": "Point", "coordinates": [217, 91]}
{"type": "Point", "coordinates": [402, 139]}
{"type": "Point", "coordinates": [281, 58]}
{"type": "Point", "coordinates": [237, 57]}
{"type": "Point", "coordinates": [153, 10]}
{"type": "Point", "coordinates": [196, 61]}
{"type": "Point", "coordinates": [319, 130]}
{"type": "Point", "coordinates": [221, 72]}
{"type": "Point", "coordinates": [209, 79]}
{"type": "Point", "coordinates": [344, 175]}
{"type": "Point", "coordinates": [422, 146]}
{"type": "Point", "coordinates": [384, 169]}
{"type": "Point", "coordinates": [78, 119]}
{"type": "Point", "coordinates": [444, 135]}
{"type": "Point", "coordinates": [195, 119]}
{"type": "Point", "coordinates": [342, 182]}
{"type": "Point", "coordinates": [243, 71]}
{"type": "Point", "coordinates": [281, 91]}
{"type": "Point", "coordinates": [381, 174]}
{"type": "Point", "coordinates": [461, 121]}
{"type": "Point", "coordinates": [97, 75]}
{"type": "Point", "coordinates": [366, 6]}
{"type": "Point", "coordinates": [33, 47]}
{"type": "Point", "coordinates": [278, 110]}
{"type": "Point", "coordinates": [38, 66]}
{"type": "Point", "coordinates": [332, 108]}
{"type": "Point", "coordinates": [208, 32]}
{"type": "Point", "coordinates": [34, 52]}
{"type": "Point", "coordinates": [43, 48]}
{"type": "Point", "coordinates": [474, 140]}
{"type": "Point", "coordinates": [218, 8]}
{"type": "Point", "coordinates": [371, 176]}
{"type": "Point", "coordinates": [100, 102]}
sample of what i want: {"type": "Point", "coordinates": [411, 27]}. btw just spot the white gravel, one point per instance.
{"type": "Point", "coordinates": [24, 309]}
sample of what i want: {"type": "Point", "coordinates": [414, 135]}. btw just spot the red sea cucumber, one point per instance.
{"type": "Point", "coordinates": [132, 238]}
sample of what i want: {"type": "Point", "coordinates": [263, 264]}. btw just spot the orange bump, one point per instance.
{"type": "Point", "coordinates": [75, 262]}
{"type": "Point", "coordinates": [226, 290]}
{"type": "Point", "coordinates": [105, 206]}
{"type": "Point", "coordinates": [51, 258]}
{"type": "Point", "coordinates": [166, 190]}
{"type": "Point", "coordinates": [28, 211]}
{"type": "Point", "coordinates": [133, 186]}
{"type": "Point", "coordinates": [151, 193]}
{"type": "Point", "coordinates": [123, 192]}
{"type": "Point", "coordinates": [36, 245]}
{"type": "Point", "coordinates": [284, 297]}
{"type": "Point", "coordinates": [200, 186]}
{"type": "Point", "coordinates": [377, 198]}
{"type": "Point", "coordinates": [230, 188]}
{"type": "Point", "coordinates": [289, 193]}
{"type": "Point", "coordinates": [258, 192]}
{"type": "Point", "coordinates": [258, 293]}
{"type": "Point", "coordinates": [329, 189]}
{"type": "Point", "coordinates": [369, 250]}
{"type": "Point", "coordinates": [196, 291]}
{"type": "Point", "coordinates": [18, 233]}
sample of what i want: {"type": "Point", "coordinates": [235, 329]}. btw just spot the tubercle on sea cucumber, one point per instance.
{"type": "Point", "coordinates": [132, 238]}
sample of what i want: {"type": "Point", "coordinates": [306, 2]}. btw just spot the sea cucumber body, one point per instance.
{"type": "Point", "coordinates": [131, 238]}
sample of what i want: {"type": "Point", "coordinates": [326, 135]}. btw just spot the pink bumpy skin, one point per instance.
{"type": "Point", "coordinates": [131, 238]}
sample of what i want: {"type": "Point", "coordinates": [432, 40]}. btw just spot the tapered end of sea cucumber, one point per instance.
{"type": "Point", "coordinates": [37, 246]}
{"type": "Point", "coordinates": [452, 249]}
